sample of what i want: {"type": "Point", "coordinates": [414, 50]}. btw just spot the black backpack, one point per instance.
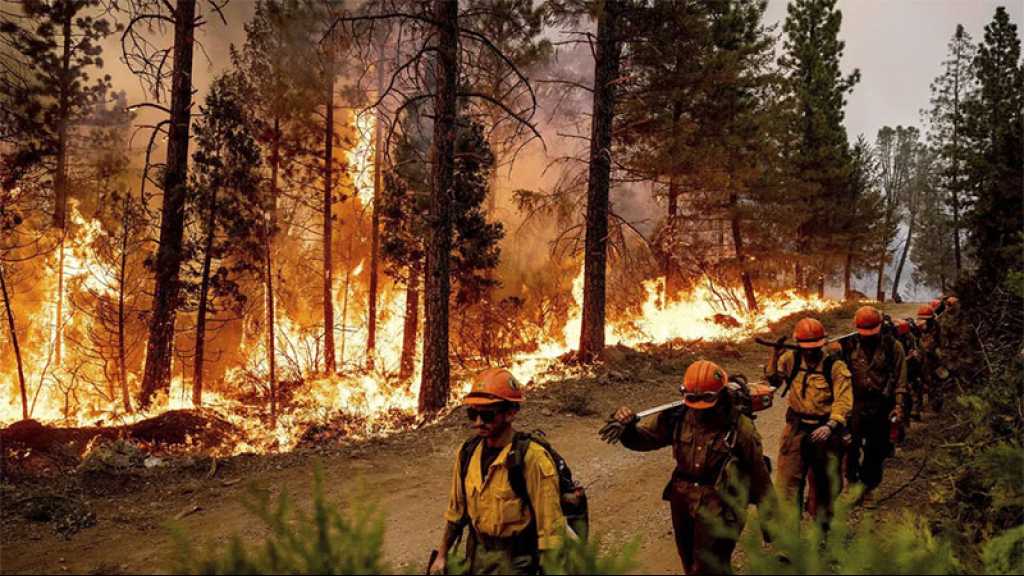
{"type": "Point", "coordinates": [826, 371]}
{"type": "Point", "coordinates": [572, 496]}
{"type": "Point", "coordinates": [888, 348]}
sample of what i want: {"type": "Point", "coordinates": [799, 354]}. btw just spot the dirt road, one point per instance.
{"type": "Point", "coordinates": [407, 475]}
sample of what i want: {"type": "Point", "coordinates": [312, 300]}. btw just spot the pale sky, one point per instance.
{"type": "Point", "coordinates": [899, 46]}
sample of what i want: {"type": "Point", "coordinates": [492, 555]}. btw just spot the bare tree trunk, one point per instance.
{"type": "Point", "coordinates": [378, 190]}
{"type": "Point", "coordinates": [14, 342]}
{"type": "Point", "coordinates": [606, 72]}
{"type": "Point", "coordinates": [434, 387]}
{"type": "Point", "coordinates": [847, 272]}
{"type": "Point", "coordinates": [903, 259]}
{"type": "Point", "coordinates": [204, 290]}
{"type": "Point", "coordinates": [879, 292]}
{"type": "Point", "coordinates": [330, 367]}
{"type": "Point", "coordinates": [58, 340]}
{"type": "Point", "coordinates": [344, 304]}
{"type": "Point", "coordinates": [412, 321]}
{"type": "Point", "coordinates": [172, 219]}
{"type": "Point", "coordinates": [122, 361]}
{"type": "Point", "coordinates": [741, 256]}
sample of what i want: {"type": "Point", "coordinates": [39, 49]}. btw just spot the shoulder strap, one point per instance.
{"type": "Point", "coordinates": [465, 456]}
{"type": "Point", "coordinates": [797, 361]}
{"type": "Point", "coordinates": [826, 369]}
{"type": "Point", "coordinates": [516, 465]}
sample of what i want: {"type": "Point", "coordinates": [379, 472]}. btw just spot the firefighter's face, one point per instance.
{"type": "Point", "coordinates": [491, 422]}
{"type": "Point", "coordinates": [814, 355]}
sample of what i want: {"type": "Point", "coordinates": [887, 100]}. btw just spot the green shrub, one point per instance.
{"type": "Point", "coordinates": [325, 541]}
{"type": "Point", "coordinates": [329, 541]}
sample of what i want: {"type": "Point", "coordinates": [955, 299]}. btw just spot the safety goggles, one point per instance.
{"type": "Point", "coordinates": [700, 396]}
{"type": "Point", "coordinates": [487, 416]}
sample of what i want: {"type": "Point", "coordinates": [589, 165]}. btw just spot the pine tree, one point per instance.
{"type": "Point", "coordinates": [819, 154]}
{"type": "Point", "coordinates": [166, 296]}
{"type": "Point", "coordinates": [56, 45]}
{"type": "Point", "coordinates": [863, 217]}
{"type": "Point", "coordinates": [227, 202]}
{"type": "Point", "coordinates": [404, 205]}
{"type": "Point", "coordinates": [595, 260]}
{"type": "Point", "coordinates": [993, 126]}
{"type": "Point", "coordinates": [285, 91]}
{"type": "Point", "coordinates": [950, 93]}
{"type": "Point", "coordinates": [895, 150]}
{"type": "Point", "coordinates": [705, 140]}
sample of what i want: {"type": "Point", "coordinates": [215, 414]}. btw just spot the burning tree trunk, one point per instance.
{"type": "Point", "coordinates": [435, 384]}
{"type": "Point", "coordinates": [122, 276]}
{"type": "Point", "coordinates": [741, 257]}
{"type": "Point", "coordinates": [59, 319]}
{"type": "Point", "coordinates": [606, 71]}
{"type": "Point", "coordinates": [14, 343]}
{"type": "Point", "coordinates": [329, 361]}
{"type": "Point", "coordinates": [378, 189]}
{"type": "Point", "coordinates": [60, 177]}
{"type": "Point", "coordinates": [204, 290]}
{"type": "Point", "coordinates": [412, 321]}
{"type": "Point", "coordinates": [172, 223]}
{"type": "Point", "coordinates": [269, 223]}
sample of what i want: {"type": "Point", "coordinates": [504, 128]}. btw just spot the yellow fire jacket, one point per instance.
{"type": "Point", "coordinates": [495, 510]}
{"type": "Point", "coordinates": [811, 394]}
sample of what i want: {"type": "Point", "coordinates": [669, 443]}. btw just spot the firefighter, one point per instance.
{"type": "Point", "coordinates": [930, 343]}
{"type": "Point", "coordinates": [957, 337]}
{"type": "Point", "coordinates": [878, 366]}
{"type": "Point", "coordinates": [914, 400]}
{"type": "Point", "coordinates": [506, 534]}
{"type": "Point", "coordinates": [820, 398]}
{"type": "Point", "coordinates": [720, 466]}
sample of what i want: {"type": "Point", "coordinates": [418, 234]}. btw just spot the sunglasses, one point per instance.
{"type": "Point", "coordinates": [700, 396]}
{"type": "Point", "coordinates": [487, 416]}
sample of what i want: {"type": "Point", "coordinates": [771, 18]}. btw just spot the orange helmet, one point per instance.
{"type": "Point", "coordinates": [868, 321]}
{"type": "Point", "coordinates": [493, 386]}
{"type": "Point", "coordinates": [705, 380]}
{"type": "Point", "coordinates": [809, 333]}
{"type": "Point", "coordinates": [902, 327]}
{"type": "Point", "coordinates": [925, 312]}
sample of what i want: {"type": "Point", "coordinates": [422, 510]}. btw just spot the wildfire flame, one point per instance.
{"type": "Point", "coordinates": [379, 399]}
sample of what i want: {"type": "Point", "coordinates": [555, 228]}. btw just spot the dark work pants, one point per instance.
{"type": "Point", "coordinates": [701, 551]}
{"type": "Point", "coordinates": [871, 446]}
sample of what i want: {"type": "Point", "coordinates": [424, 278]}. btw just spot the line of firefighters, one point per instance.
{"type": "Point", "coordinates": [850, 400]}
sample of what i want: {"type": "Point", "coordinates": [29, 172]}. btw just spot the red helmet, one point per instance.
{"type": "Point", "coordinates": [925, 312]}
{"type": "Point", "coordinates": [703, 378]}
{"type": "Point", "coordinates": [493, 386]}
{"type": "Point", "coordinates": [936, 303]}
{"type": "Point", "coordinates": [902, 327]}
{"type": "Point", "coordinates": [868, 321]}
{"type": "Point", "coordinates": [809, 333]}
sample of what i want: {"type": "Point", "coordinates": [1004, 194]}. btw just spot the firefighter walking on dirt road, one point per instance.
{"type": "Point", "coordinates": [507, 533]}
{"type": "Point", "coordinates": [820, 398]}
{"type": "Point", "coordinates": [878, 364]}
{"type": "Point", "coordinates": [720, 466]}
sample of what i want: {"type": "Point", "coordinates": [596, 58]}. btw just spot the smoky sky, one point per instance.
{"type": "Point", "coordinates": [899, 46]}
